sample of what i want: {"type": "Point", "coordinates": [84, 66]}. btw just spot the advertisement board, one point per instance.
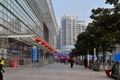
{"type": "Point", "coordinates": [35, 54]}
{"type": "Point", "coordinates": [117, 57]}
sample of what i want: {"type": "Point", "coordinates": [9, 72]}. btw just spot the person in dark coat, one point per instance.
{"type": "Point", "coordinates": [1, 72]}
{"type": "Point", "coordinates": [71, 62]}
{"type": "Point", "coordinates": [85, 63]}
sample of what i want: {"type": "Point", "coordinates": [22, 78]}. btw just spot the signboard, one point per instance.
{"type": "Point", "coordinates": [35, 54]}
{"type": "Point", "coordinates": [61, 54]}
{"type": "Point", "coordinates": [16, 52]}
{"type": "Point", "coordinates": [117, 57]}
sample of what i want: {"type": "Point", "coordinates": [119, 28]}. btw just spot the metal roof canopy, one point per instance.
{"type": "Point", "coordinates": [48, 15]}
{"type": "Point", "coordinates": [16, 36]}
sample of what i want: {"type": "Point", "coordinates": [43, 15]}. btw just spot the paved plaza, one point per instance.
{"type": "Point", "coordinates": [55, 71]}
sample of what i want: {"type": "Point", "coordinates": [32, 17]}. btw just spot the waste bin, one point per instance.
{"type": "Point", "coordinates": [107, 72]}
{"type": "Point", "coordinates": [21, 62]}
{"type": "Point", "coordinates": [14, 64]}
{"type": "Point", "coordinates": [96, 66]}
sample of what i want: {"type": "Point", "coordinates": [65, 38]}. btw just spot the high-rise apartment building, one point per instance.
{"type": "Point", "coordinates": [71, 26]}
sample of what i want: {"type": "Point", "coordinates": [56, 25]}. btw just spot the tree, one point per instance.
{"type": "Point", "coordinates": [103, 32]}
{"type": "Point", "coordinates": [106, 22]}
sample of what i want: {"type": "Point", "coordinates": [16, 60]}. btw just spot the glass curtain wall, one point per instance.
{"type": "Point", "coordinates": [17, 17]}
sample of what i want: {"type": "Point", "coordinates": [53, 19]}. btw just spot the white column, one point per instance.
{"type": "Point", "coordinates": [88, 56]}
{"type": "Point", "coordinates": [94, 53]}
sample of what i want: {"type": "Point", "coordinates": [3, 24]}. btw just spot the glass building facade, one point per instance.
{"type": "Point", "coordinates": [19, 17]}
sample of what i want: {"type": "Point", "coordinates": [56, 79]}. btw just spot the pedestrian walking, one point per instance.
{"type": "Point", "coordinates": [85, 62]}
{"type": "Point", "coordinates": [2, 62]}
{"type": "Point", "coordinates": [1, 71]}
{"type": "Point", "coordinates": [71, 61]}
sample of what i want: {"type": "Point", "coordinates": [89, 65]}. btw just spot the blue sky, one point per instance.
{"type": "Point", "coordinates": [79, 8]}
